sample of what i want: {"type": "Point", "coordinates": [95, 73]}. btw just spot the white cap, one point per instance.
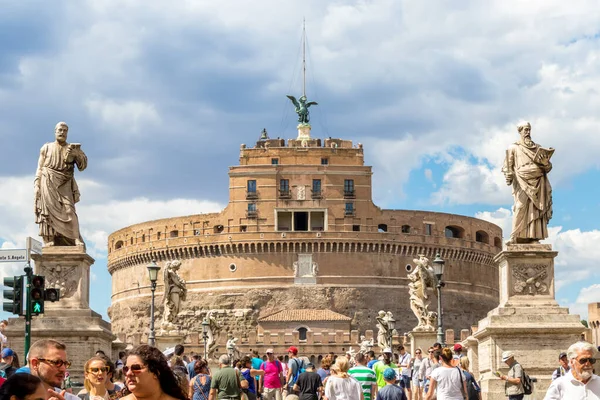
{"type": "Point", "coordinates": [506, 355]}
{"type": "Point", "coordinates": [387, 350]}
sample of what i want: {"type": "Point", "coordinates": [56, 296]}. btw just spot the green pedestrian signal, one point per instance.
{"type": "Point", "coordinates": [13, 302]}
{"type": "Point", "coordinates": [38, 284]}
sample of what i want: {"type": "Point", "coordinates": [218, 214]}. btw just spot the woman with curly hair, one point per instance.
{"type": "Point", "coordinates": [147, 375]}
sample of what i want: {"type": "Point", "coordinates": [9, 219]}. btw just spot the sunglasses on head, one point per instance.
{"type": "Point", "coordinates": [583, 361]}
{"type": "Point", "coordinates": [135, 368]}
{"type": "Point", "coordinates": [95, 370]}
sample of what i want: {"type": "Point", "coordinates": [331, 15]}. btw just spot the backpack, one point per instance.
{"type": "Point", "coordinates": [300, 368]}
{"type": "Point", "coordinates": [526, 382]}
{"type": "Point", "coordinates": [472, 387]}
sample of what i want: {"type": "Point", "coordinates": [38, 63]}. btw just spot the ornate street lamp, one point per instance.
{"type": "Point", "coordinates": [205, 325]}
{"type": "Point", "coordinates": [438, 270]}
{"type": "Point", "coordinates": [153, 269]}
{"type": "Point", "coordinates": [391, 326]}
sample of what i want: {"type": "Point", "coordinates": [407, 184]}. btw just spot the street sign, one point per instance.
{"type": "Point", "coordinates": [34, 246]}
{"type": "Point", "coordinates": [13, 255]}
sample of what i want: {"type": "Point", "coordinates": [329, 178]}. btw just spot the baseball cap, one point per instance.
{"type": "Point", "coordinates": [310, 366]}
{"type": "Point", "coordinates": [269, 351]}
{"type": "Point", "coordinates": [387, 350]}
{"type": "Point", "coordinates": [561, 355]}
{"type": "Point", "coordinates": [293, 350]}
{"type": "Point", "coordinates": [389, 374]}
{"type": "Point", "coordinates": [458, 347]}
{"type": "Point", "coordinates": [507, 355]}
{"type": "Point", "coordinates": [7, 352]}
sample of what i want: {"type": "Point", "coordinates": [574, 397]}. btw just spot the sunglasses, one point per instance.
{"type": "Point", "coordinates": [135, 368]}
{"type": "Point", "coordinates": [418, 352]}
{"type": "Point", "coordinates": [95, 370]}
{"type": "Point", "coordinates": [430, 351]}
{"type": "Point", "coordinates": [584, 361]}
{"type": "Point", "coordinates": [56, 363]}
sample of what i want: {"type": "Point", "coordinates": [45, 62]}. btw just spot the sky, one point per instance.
{"type": "Point", "coordinates": [162, 93]}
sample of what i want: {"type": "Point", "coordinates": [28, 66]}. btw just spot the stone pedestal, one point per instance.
{"type": "Point", "coordinates": [303, 132]}
{"type": "Point", "coordinates": [164, 340]}
{"type": "Point", "coordinates": [528, 321]}
{"type": "Point", "coordinates": [422, 340]}
{"type": "Point", "coordinates": [70, 320]}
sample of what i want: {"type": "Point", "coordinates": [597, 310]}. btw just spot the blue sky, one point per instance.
{"type": "Point", "coordinates": [161, 95]}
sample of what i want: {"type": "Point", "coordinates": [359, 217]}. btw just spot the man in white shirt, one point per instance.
{"type": "Point", "coordinates": [404, 361]}
{"type": "Point", "coordinates": [580, 382]}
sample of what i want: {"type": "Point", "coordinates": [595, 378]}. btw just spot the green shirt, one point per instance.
{"type": "Point", "coordinates": [379, 367]}
{"type": "Point", "coordinates": [227, 383]}
{"type": "Point", "coordinates": [366, 377]}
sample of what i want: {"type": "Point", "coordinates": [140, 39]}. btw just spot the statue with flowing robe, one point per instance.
{"type": "Point", "coordinates": [175, 291]}
{"type": "Point", "coordinates": [56, 192]}
{"type": "Point", "coordinates": [526, 168]}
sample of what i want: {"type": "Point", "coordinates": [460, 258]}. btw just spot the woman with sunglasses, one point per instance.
{"type": "Point", "coordinates": [95, 375]}
{"type": "Point", "coordinates": [23, 387]}
{"type": "Point", "coordinates": [417, 380]}
{"type": "Point", "coordinates": [148, 376]}
{"type": "Point", "coordinates": [427, 365]}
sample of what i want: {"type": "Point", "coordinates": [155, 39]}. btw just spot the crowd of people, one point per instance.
{"type": "Point", "coordinates": [145, 373]}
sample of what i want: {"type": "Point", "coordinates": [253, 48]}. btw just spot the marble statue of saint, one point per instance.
{"type": "Point", "coordinates": [56, 192]}
{"type": "Point", "coordinates": [526, 168]}
{"type": "Point", "coordinates": [365, 345]}
{"type": "Point", "coordinates": [231, 346]}
{"type": "Point", "coordinates": [421, 279]}
{"type": "Point", "coordinates": [175, 291]}
{"type": "Point", "coordinates": [383, 330]}
{"type": "Point", "coordinates": [212, 330]}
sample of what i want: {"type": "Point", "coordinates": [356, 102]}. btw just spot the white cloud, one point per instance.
{"type": "Point", "coordinates": [129, 116]}
{"type": "Point", "coordinates": [501, 217]}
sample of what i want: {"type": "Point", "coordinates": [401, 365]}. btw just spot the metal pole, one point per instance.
{"type": "Point", "coordinates": [440, 330]}
{"type": "Point", "coordinates": [151, 337]}
{"type": "Point", "coordinates": [27, 305]}
{"type": "Point", "coordinates": [205, 337]}
{"type": "Point", "coordinates": [304, 58]}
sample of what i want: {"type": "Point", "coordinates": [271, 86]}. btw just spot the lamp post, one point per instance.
{"type": "Point", "coordinates": [153, 269]}
{"type": "Point", "coordinates": [438, 270]}
{"type": "Point", "coordinates": [205, 325]}
{"type": "Point", "coordinates": [391, 326]}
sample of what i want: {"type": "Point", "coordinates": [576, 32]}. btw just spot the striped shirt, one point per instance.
{"type": "Point", "coordinates": [366, 377]}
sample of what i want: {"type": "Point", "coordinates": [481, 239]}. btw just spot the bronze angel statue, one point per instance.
{"type": "Point", "coordinates": [302, 108]}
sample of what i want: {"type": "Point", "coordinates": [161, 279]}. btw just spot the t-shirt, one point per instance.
{"type": "Point", "coordinates": [378, 368]}
{"type": "Point", "coordinates": [366, 377]}
{"type": "Point", "coordinates": [404, 363]}
{"type": "Point", "coordinates": [251, 382]}
{"type": "Point", "coordinates": [515, 371]}
{"type": "Point", "coordinates": [371, 363]}
{"type": "Point", "coordinates": [225, 380]}
{"type": "Point", "coordinates": [190, 369]}
{"type": "Point", "coordinates": [342, 388]}
{"type": "Point", "coordinates": [323, 373]}
{"type": "Point", "coordinates": [449, 382]}
{"type": "Point", "coordinates": [391, 392]}
{"type": "Point", "coordinates": [256, 363]}
{"type": "Point", "coordinates": [308, 385]}
{"type": "Point", "coordinates": [294, 365]}
{"type": "Point", "coordinates": [272, 370]}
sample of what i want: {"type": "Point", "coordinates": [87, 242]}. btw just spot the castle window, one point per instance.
{"type": "Point", "coordinates": [382, 228]}
{"type": "Point", "coordinates": [324, 161]}
{"type": "Point", "coordinates": [284, 189]}
{"type": "Point", "coordinates": [349, 209]}
{"type": "Point", "coordinates": [316, 188]}
{"type": "Point", "coordinates": [157, 235]}
{"type": "Point", "coordinates": [498, 242]}
{"type": "Point", "coordinates": [243, 228]}
{"type": "Point", "coordinates": [218, 228]}
{"type": "Point", "coordinates": [118, 245]}
{"type": "Point", "coordinates": [251, 186]}
{"type": "Point", "coordinates": [251, 207]}
{"type": "Point", "coordinates": [355, 228]}
{"type": "Point", "coordinates": [131, 241]}
{"type": "Point", "coordinates": [349, 188]}
{"type": "Point", "coordinates": [302, 333]}
{"type": "Point", "coordinates": [174, 234]}
{"type": "Point", "coordinates": [405, 228]}
{"type": "Point", "coordinates": [428, 229]}
{"type": "Point", "coordinates": [482, 237]}
{"type": "Point", "coordinates": [455, 232]}
{"type": "Point", "coordinates": [274, 161]}
{"type": "Point", "coordinates": [143, 238]}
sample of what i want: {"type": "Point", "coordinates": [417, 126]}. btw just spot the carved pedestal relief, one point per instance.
{"type": "Point", "coordinates": [530, 279]}
{"type": "Point", "coordinates": [305, 269]}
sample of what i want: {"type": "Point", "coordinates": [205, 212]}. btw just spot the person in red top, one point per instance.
{"type": "Point", "coordinates": [273, 377]}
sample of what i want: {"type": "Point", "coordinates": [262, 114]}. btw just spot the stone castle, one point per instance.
{"type": "Point", "coordinates": [300, 231]}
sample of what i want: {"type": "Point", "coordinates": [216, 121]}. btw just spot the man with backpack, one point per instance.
{"type": "Point", "coordinates": [295, 368]}
{"type": "Point", "coordinates": [514, 386]}
{"type": "Point", "coordinates": [273, 378]}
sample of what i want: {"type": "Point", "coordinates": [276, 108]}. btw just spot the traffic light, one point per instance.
{"type": "Point", "coordinates": [38, 283]}
{"type": "Point", "coordinates": [14, 295]}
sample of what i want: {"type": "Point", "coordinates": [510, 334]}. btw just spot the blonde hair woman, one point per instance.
{"type": "Point", "coordinates": [95, 372]}
{"type": "Point", "coordinates": [340, 385]}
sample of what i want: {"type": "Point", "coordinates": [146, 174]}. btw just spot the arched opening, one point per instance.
{"type": "Point", "coordinates": [218, 228]}
{"type": "Point", "coordinates": [455, 232]}
{"type": "Point", "coordinates": [118, 245]}
{"type": "Point", "coordinates": [157, 235]}
{"type": "Point", "coordinates": [381, 228]}
{"type": "Point", "coordinates": [405, 228]}
{"type": "Point", "coordinates": [174, 233]}
{"type": "Point", "coordinates": [482, 237]}
{"type": "Point", "coordinates": [302, 333]}
{"type": "Point", "coordinates": [498, 242]}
